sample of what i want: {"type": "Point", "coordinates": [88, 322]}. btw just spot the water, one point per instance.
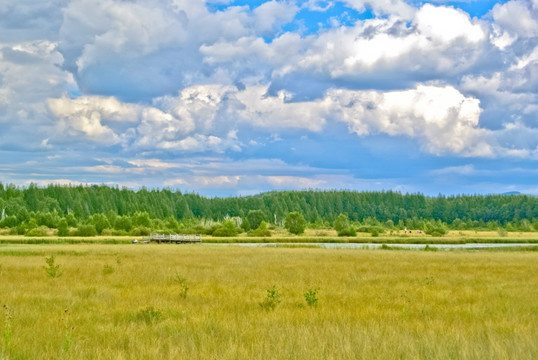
{"type": "Point", "coordinates": [403, 246]}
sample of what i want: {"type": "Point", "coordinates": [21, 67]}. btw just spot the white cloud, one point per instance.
{"type": "Point", "coordinates": [441, 117]}
{"type": "Point", "coordinates": [468, 169]}
{"type": "Point", "coordinates": [276, 112]}
{"type": "Point", "coordinates": [205, 118]}
{"type": "Point", "coordinates": [384, 7]}
{"type": "Point", "coordinates": [295, 182]}
{"type": "Point", "coordinates": [85, 115]}
{"type": "Point", "coordinates": [518, 17]}
{"type": "Point", "coordinates": [444, 25]}
{"type": "Point", "coordinates": [270, 16]}
{"type": "Point", "coordinates": [435, 42]}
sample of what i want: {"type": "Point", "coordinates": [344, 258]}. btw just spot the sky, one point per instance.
{"type": "Point", "coordinates": [236, 97]}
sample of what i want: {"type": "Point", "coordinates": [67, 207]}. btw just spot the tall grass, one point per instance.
{"type": "Point", "coordinates": [369, 304]}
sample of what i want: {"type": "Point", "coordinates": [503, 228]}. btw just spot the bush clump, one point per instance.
{"type": "Point", "coordinates": [262, 230]}
{"type": "Point", "coordinates": [86, 230]}
{"type": "Point", "coordinates": [343, 226]}
{"type": "Point", "coordinates": [435, 228]}
{"type": "Point", "coordinates": [228, 228]}
{"type": "Point", "coordinates": [38, 231]}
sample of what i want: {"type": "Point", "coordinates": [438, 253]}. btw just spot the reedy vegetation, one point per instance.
{"type": "Point", "coordinates": [372, 304]}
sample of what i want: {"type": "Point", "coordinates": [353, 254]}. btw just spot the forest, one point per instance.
{"type": "Point", "coordinates": [123, 210]}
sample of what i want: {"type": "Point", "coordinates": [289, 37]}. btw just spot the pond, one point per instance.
{"type": "Point", "coordinates": [404, 246]}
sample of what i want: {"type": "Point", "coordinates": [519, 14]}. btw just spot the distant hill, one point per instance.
{"type": "Point", "coordinates": [511, 193]}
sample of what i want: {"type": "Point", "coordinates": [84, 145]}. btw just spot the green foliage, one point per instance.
{"type": "Point", "coordinates": [52, 269]}
{"type": "Point", "coordinates": [63, 228]}
{"type": "Point", "coordinates": [228, 228]}
{"type": "Point", "coordinates": [435, 228]}
{"type": "Point", "coordinates": [343, 226]}
{"type": "Point", "coordinates": [183, 286]}
{"type": "Point", "coordinates": [100, 221]}
{"type": "Point", "coordinates": [374, 230]}
{"type": "Point", "coordinates": [295, 223]}
{"type": "Point", "coordinates": [140, 231]}
{"type": "Point", "coordinates": [262, 230]}
{"type": "Point", "coordinates": [123, 223]}
{"type": "Point", "coordinates": [9, 221]}
{"type": "Point", "coordinates": [26, 226]}
{"type": "Point", "coordinates": [71, 220]}
{"type": "Point", "coordinates": [255, 218]}
{"type": "Point", "coordinates": [108, 269]}
{"type": "Point", "coordinates": [34, 206]}
{"type": "Point", "coordinates": [149, 315]}
{"type": "Point", "coordinates": [141, 219]}
{"type": "Point", "coordinates": [311, 297]}
{"type": "Point", "coordinates": [245, 225]}
{"type": "Point", "coordinates": [86, 230]}
{"type": "Point", "coordinates": [38, 231]}
{"type": "Point", "coordinates": [272, 299]}
{"type": "Point", "coordinates": [8, 316]}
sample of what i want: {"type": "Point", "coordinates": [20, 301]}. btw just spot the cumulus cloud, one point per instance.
{"type": "Point", "coordinates": [384, 7]}
{"type": "Point", "coordinates": [204, 118]}
{"type": "Point", "coordinates": [436, 42]}
{"type": "Point", "coordinates": [85, 115]}
{"type": "Point", "coordinates": [518, 17]}
{"type": "Point", "coordinates": [441, 117]}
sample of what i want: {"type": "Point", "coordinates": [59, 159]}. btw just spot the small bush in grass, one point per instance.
{"type": "Point", "coordinates": [52, 269]}
{"type": "Point", "coordinates": [8, 315]}
{"type": "Point", "coordinates": [272, 299]}
{"type": "Point", "coordinates": [183, 286]}
{"type": "Point", "coordinates": [149, 315]}
{"type": "Point", "coordinates": [311, 297]}
{"type": "Point", "coordinates": [108, 269]}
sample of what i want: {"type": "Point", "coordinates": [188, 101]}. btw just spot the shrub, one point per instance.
{"type": "Point", "coordinates": [295, 223]}
{"type": "Point", "coordinates": [9, 221]}
{"type": "Point", "coordinates": [272, 299]}
{"type": "Point", "coordinates": [140, 231]}
{"type": "Point", "coordinates": [149, 315]}
{"type": "Point", "coordinates": [52, 269]}
{"type": "Point", "coordinates": [262, 230]}
{"type": "Point", "coordinates": [86, 230]}
{"type": "Point", "coordinates": [311, 297]}
{"type": "Point", "coordinates": [182, 282]}
{"type": "Point", "coordinates": [63, 228]}
{"type": "Point", "coordinates": [228, 228]}
{"type": "Point", "coordinates": [350, 231]}
{"type": "Point", "coordinates": [38, 231]}
{"type": "Point", "coordinates": [435, 228]}
{"type": "Point", "coordinates": [100, 222]}
{"type": "Point", "coordinates": [108, 269]}
{"type": "Point", "coordinates": [255, 218]}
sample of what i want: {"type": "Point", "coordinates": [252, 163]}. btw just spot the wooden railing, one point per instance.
{"type": "Point", "coordinates": [175, 238]}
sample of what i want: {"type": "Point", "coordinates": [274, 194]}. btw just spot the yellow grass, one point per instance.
{"type": "Point", "coordinates": [124, 302]}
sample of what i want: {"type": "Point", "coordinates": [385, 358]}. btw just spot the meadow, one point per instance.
{"type": "Point", "coordinates": [99, 301]}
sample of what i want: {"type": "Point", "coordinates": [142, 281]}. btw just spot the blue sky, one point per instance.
{"type": "Point", "coordinates": [225, 97]}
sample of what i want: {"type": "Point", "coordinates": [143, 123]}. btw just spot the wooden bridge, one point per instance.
{"type": "Point", "coordinates": [175, 238]}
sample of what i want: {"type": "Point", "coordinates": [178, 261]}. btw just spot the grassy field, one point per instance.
{"type": "Point", "coordinates": [205, 302]}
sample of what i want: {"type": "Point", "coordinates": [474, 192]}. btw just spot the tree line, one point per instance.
{"type": "Point", "coordinates": [125, 209]}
